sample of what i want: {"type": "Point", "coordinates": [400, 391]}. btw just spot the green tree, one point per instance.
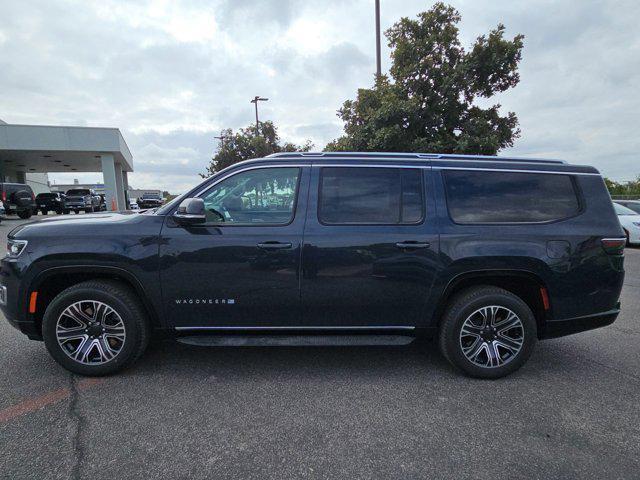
{"type": "Point", "coordinates": [429, 105]}
{"type": "Point", "coordinates": [245, 144]}
{"type": "Point", "coordinates": [630, 188]}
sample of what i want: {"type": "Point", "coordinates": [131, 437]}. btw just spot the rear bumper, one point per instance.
{"type": "Point", "coordinates": [561, 328]}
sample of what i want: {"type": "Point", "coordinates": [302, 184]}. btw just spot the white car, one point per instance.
{"type": "Point", "coordinates": [630, 221]}
{"type": "Point", "coordinates": [133, 205]}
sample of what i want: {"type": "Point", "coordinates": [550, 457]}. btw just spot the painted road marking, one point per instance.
{"type": "Point", "coordinates": [38, 403]}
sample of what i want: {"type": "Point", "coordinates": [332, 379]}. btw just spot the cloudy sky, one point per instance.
{"type": "Point", "coordinates": [171, 74]}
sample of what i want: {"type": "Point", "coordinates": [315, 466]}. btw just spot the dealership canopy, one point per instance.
{"type": "Point", "coordinates": [37, 148]}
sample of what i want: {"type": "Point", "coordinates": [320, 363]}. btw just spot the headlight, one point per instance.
{"type": "Point", "coordinates": [15, 247]}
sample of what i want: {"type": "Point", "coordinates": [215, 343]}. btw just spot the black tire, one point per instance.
{"type": "Point", "coordinates": [24, 214]}
{"type": "Point", "coordinates": [461, 307]}
{"type": "Point", "coordinates": [123, 301]}
{"type": "Point", "coordinates": [77, 212]}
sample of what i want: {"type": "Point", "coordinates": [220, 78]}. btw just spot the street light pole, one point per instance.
{"type": "Point", "coordinates": [255, 101]}
{"type": "Point", "coordinates": [221, 138]}
{"type": "Point", "coordinates": [378, 61]}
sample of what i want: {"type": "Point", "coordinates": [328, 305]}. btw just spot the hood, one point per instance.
{"type": "Point", "coordinates": [74, 225]}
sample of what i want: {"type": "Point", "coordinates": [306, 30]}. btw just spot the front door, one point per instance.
{"type": "Point", "coordinates": [241, 268]}
{"type": "Point", "coordinates": [371, 245]}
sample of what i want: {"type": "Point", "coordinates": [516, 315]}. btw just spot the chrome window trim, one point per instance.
{"type": "Point", "coordinates": [510, 170]}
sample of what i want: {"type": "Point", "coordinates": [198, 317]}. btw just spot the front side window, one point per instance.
{"type": "Point", "coordinates": [264, 196]}
{"type": "Point", "coordinates": [509, 197]}
{"type": "Point", "coordinates": [369, 195]}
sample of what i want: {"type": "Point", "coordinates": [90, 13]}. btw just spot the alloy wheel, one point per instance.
{"type": "Point", "coordinates": [90, 332]}
{"type": "Point", "coordinates": [491, 336]}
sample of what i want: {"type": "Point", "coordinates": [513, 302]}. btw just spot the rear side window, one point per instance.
{"type": "Point", "coordinates": [364, 195]}
{"type": "Point", "coordinates": [508, 197]}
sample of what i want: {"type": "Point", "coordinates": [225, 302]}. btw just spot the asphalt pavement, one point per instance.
{"type": "Point", "coordinates": [348, 413]}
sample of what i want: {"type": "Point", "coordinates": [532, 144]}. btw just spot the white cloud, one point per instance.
{"type": "Point", "coordinates": [171, 74]}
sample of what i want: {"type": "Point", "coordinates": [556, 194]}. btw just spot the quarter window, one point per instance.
{"type": "Point", "coordinates": [264, 196]}
{"type": "Point", "coordinates": [509, 197]}
{"type": "Point", "coordinates": [368, 195]}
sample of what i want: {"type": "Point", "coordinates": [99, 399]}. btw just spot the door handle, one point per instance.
{"type": "Point", "coordinates": [412, 245]}
{"type": "Point", "coordinates": [274, 245]}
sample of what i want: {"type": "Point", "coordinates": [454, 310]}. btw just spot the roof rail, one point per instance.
{"type": "Point", "coordinates": [411, 156]}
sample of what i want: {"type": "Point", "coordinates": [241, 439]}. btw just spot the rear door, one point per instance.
{"type": "Point", "coordinates": [370, 251]}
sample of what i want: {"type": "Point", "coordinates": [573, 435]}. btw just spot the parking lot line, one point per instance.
{"type": "Point", "coordinates": [39, 402]}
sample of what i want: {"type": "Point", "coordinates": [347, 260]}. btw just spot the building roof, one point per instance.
{"type": "Point", "coordinates": [43, 148]}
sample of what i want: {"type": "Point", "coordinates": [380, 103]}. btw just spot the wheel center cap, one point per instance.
{"type": "Point", "coordinates": [95, 330]}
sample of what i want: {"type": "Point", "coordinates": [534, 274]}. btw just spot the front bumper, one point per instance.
{"type": "Point", "coordinates": [561, 328]}
{"type": "Point", "coordinates": [13, 302]}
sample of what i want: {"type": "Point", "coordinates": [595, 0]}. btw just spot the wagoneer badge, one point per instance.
{"type": "Point", "coordinates": [205, 301]}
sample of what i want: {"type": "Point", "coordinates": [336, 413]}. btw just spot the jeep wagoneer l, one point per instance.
{"type": "Point", "coordinates": [487, 254]}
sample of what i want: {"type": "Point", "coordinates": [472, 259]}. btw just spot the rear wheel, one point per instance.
{"type": "Point", "coordinates": [95, 328]}
{"type": "Point", "coordinates": [487, 332]}
{"type": "Point", "coordinates": [24, 214]}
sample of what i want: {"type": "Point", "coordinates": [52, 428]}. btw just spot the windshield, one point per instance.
{"type": "Point", "coordinates": [154, 196]}
{"type": "Point", "coordinates": [620, 210]}
{"type": "Point", "coordinates": [78, 191]}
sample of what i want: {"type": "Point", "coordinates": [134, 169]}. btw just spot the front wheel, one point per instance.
{"type": "Point", "coordinates": [95, 328]}
{"type": "Point", "coordinates": [487, 332]}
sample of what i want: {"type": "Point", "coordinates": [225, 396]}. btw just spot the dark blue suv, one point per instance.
{"type": "Point", "coordinates": [488, 254]}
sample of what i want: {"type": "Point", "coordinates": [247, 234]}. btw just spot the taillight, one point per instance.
{"type": "Point", "coordinates": [33, 196]}
{"type": "Point", "coordinates": [4, 196]}
{"type": "Point", "coordinates": [614, 246]}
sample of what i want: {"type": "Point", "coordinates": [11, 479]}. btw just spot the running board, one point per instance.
{"type": "Point", "coordinates": [294, 340]}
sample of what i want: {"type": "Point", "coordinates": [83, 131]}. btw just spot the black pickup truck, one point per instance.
{"type": "Point", "coordinates": [150, 200]}
{"type": "Point", "coordinates": [51, 201]}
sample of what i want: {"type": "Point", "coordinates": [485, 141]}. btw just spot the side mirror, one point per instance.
{"type": "Point", "coordinates": [190, 212]}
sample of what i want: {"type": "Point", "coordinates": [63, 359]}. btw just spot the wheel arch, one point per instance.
{"type": "Point", "coordinates": [52, 281]}
{"type": "Point", "coordinates": [525, 284]}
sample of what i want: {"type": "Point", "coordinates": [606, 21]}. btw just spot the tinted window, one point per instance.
{"type": "Point", "coordinates": [46, 195]}
{"type": "Point", "coordinates": [386, 196]}
{"type": "Point", "coordinates": [260, 196]}
{"type": "Point", "coordinates": [506, 197]}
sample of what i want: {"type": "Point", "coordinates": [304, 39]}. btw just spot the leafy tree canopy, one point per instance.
{"type": "Point", "coordinates": [428, 105]}
{"type": "Point", "coordinates": [246, 144]}
{"type": "Point", "coordinates": [630, 188]}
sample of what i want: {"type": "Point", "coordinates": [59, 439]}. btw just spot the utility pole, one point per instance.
{"type": "Point", "coordinates": [378, 62]}
{"type": "Point", "coordinates": [255, 101]}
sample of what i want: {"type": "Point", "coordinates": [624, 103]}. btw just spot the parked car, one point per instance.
{"type": "Point", "coordinates": [18, 199]}
{"type": "Point", "coordinates": [632, 204]}
{"type": "Point", "coordinates": [150, 200]}
{"type": "Point", "coordinates": [133, 205]}
{"type": "Point", "coordinates": [630, 221]}
{"type": "Point", "coordinates": [82, 199]}
{"type": "Point", "coordinates": [2, 210]}
{"type": "Point", "coordinates": [51, 201]}
{"type": "Point", "coordinates": [486, 254]}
